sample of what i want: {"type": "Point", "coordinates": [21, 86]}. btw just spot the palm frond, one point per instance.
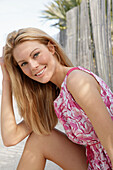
{"type": "Point", "coordinates": [57, 10]}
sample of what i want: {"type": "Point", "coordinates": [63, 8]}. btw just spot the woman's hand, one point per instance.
{"type": "Point", "coordinates": [4, 70]}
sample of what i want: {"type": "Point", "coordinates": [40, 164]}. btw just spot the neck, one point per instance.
{"type": "Point", "coordinates": [59, 75]}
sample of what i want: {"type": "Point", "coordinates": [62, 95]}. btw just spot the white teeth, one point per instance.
{"type": "Point", "coordinates": [40, 72]}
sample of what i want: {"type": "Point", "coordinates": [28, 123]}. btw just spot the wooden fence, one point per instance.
{"type": "Point", "coordinates": [89, 43]}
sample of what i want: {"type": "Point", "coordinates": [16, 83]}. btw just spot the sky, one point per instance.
{"type": "Point", "coordinates": [16, 14]}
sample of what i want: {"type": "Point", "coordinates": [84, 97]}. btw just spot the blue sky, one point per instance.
{"type": "Point", "coordinates": [15, 14]}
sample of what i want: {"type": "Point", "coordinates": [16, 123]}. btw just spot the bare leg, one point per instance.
{"type": "Point", "coordinates": [55, 147]}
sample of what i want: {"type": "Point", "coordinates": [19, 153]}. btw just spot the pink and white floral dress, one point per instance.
{"type": "Point", "coordinates": [77, 125]}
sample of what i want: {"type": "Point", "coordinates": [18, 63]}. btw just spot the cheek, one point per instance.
{"type": "Point", "coordinates": [47, 56]}
{"type": "Point", "coordinates": [26, 71]}
{"type": "Point", "coordinates": [43, 59]}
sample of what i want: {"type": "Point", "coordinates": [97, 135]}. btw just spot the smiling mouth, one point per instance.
{"type": "Point", "coordinates": [41, 72]}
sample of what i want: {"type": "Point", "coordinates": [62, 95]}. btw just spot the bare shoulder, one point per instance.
{"type": "Point", "coordinates": [78, 79]}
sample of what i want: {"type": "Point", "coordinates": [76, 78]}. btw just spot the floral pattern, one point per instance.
{"type": "Point", "coordinates": [78, 126]}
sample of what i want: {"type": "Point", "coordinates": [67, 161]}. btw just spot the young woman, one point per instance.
{"type": "Point", "coordinates": [42, 79]}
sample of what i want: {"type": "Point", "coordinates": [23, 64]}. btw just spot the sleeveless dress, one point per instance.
{"type": "Point", "coordinates": [77, 125]}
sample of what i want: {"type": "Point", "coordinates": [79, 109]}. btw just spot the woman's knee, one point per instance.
{"type": "Point", "coordinates": [45, 144]}
{"type": "Point", "coordinates": [55, 147]}
{"type": "Point", "coordinates": [39, 142]}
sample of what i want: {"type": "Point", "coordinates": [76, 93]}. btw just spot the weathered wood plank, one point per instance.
{"type": "Point", "coordinates": [87, 26]}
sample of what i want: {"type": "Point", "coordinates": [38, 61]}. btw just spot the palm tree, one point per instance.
{"type": "Point", "coordinates": [57, 11]}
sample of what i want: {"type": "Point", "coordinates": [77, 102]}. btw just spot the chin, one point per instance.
{"type": "Point", "coordinates": [43, 81]}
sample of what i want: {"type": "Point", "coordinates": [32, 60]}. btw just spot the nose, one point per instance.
{"type": "Point", "coordinates": [33, 64]}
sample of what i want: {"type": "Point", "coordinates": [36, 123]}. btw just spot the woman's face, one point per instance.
{"type": "Point", "coordinates": [36, 60]}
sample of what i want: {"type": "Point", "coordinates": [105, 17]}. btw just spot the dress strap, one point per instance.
{"type": "Point", "coordinates": [74, 68]}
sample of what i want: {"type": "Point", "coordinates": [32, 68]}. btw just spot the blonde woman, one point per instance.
{"type": "Point", "coordinates": [45, 84]}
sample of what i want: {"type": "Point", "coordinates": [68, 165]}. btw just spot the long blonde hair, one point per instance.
{"type": "Point", "coordinates": [34, 99]}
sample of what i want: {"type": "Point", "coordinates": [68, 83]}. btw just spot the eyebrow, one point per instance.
{"type": "Point", "coordinates": [29, 55]}
{"type": "Point", "coordinates": [33, 51]}
{"type": "Point", "coordinates": [20, 61]}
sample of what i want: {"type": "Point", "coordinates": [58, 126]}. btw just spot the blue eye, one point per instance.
{"type": "Point", "coordinates": [23, 64]}
{"type": "Point", "coordinates": [35, 55]}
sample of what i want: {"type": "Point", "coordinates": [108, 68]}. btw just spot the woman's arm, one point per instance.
{"type": "Point", "coordinates": [12, 133]}
{"type": "Point", "coordinates": [86, 92]}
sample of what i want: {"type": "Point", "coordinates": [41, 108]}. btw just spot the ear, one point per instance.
{"type": "Point", "coordinates": [51, 47]}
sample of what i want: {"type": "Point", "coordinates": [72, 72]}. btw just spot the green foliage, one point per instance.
{"type": "Point", "coordinates": [57, 11]}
